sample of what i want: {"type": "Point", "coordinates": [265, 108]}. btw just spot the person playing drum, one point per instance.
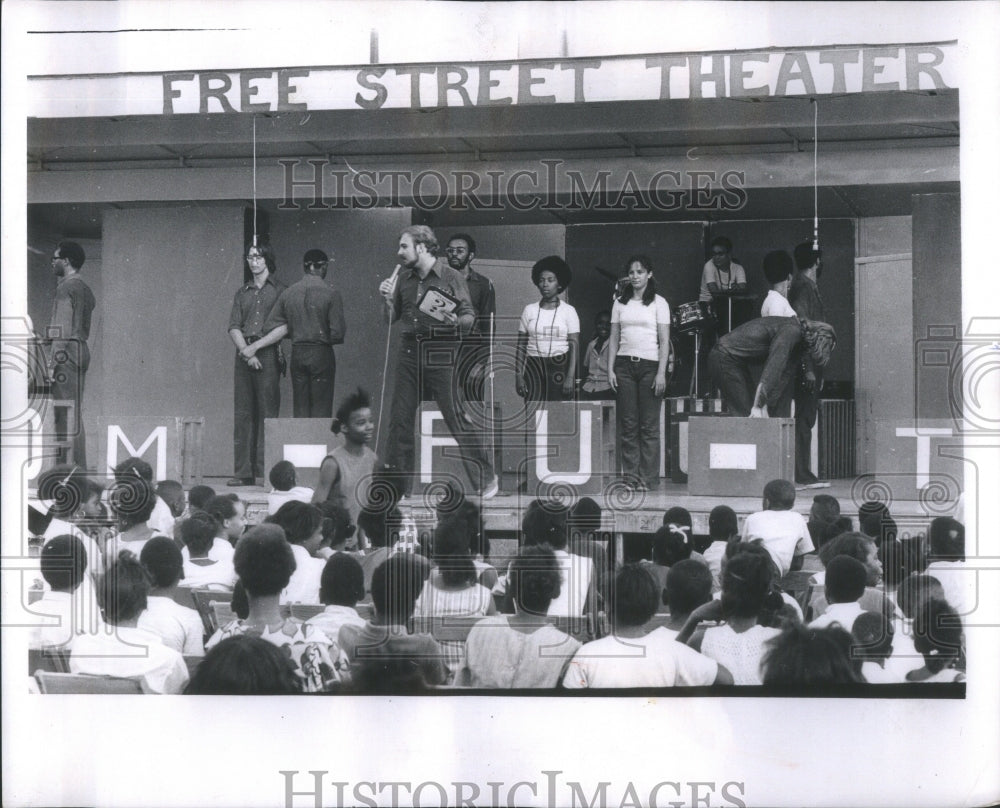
{"type": "Point", "coordinates": [720, 278]}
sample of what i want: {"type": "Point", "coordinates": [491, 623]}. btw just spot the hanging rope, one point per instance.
{"type": "Point", "coordinates": [815, 174]}
{"type": "Point", "coordinates": [255, 180]}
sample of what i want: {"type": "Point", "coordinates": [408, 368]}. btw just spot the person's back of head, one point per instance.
{"type": "Point", "coordinates": [830, 530]}
{"type": "Point", "coordinates": [67, 488]}
{"type": "Point", "coordinates": [747, 580]}
{"type": "Point", "coordinates": [671, 544]}
{"type": "Point", "coordinates": [469, 514]}
{"type": "Point", "coordinates": [825, 508]}
{"type": "Point", "coordinates": [263, 560]}
{"type": "Point", "coordinates": [198, 533]}
{"type": "Point", "coordinates": [845, 580]}
{"type": "Point", "coordinates": [342, 582]}
{"type": "Point", "coordinates": [123, 589]}
{"type": "Point", "coordinates": [871, 636]}
{"type": "Point", "coordinates": [636, 596]}
{"type": "Point", "coordinates": [585, 517]}
{"type": "Point", "coordinates": [282, 476]}
{"type": "Point", "coordinates": [163, 561]}
{"type": "Point", "coordinates": [171, 492]}
{"type": "Point", "coordinates": [915, 590]}
{"type": "Point", "coordinates": [546, 524]}
{"type": "Point", "coordinates": [855, 545]}
{"type": "Point", "coordinates": [722, 523]}
{"type": "Point", "coordinates": [73, 253]}
{"type": "Point", "coordinates": [396, 585]}
{"type": "Point", "coordinates": [337, 525]}
{"type": "Point", "coordinates": [63, 563]}
{"type": "Point", "coordinates": [199, 495]}
{"type": "Point", "coordinates": [245, 665]}
{"type": "Point", "coordinates": [133, 467]}
{"type": "Point", "coordinates": [533, 579]}
{"type": "Point", "coordinates": [299, 520]}
{"type": "Point", "coordinates": [806, 656]}
{"type": "Point", "coordinates": [806, 255]}
{"type": "Point", "coordinates": [947, 539]}
{"type": "Point", "coordinates": [452, 554]}
{"type": "Point", "coordinates": [689, 585]}
{"type": "Point", "coordinates": [779, 495]}
{"type": "Point", "coordinates": [380, 525]}
{"type": "Point", "coordinates": [875, 520]}
{"type": "Point", "coordinates": [777, 267]}
{"type": "Point", "coordinates": [937, 634]}
{"type": "Point", "coordinates": [132, 500]}
{"type": "Point", "coordinates": [678, 516]}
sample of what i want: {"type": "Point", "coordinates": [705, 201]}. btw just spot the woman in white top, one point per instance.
{"type": "Point", "coordinates": [548, 337]}
{"type": "Point", "coordinates": [639, 354]}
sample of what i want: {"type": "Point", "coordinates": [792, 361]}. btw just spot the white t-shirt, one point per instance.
{"type": "Point", "coordinates": [162, 519]}
{"type": "Point", "coordinates": [656, 660]}
{"type": "Point", "coordinates": [725, 280]}
{"type": "Point", "coordinates": [130, 653]}
{"type": "Point", "coordinates": [841, 614]}
{"type": "Point", "coordinates": [215, 575]}
{"type": "Point", "coordinates": [62, 617]}
{"type": "Point", "coordinates": [276, 499]}
{"type": "Point", "coordinates": [958, 582]}
{"type": "Point", "coordinates": [178, 626]}
{"type": "Point", "coordinates": [304, 585]}
{"type": "Point", "coordinates": [221, 550]}
{"type": "Point", "coordinates": [575, 573]}
{"type": "Point", "coordinates": [639, 335]}
{"type": "Point", "coordinates": [785, 535]}
{"type": "Point", "coordinates": [548, 330]}
{"type": "Point", "coordinates": [776, 305]}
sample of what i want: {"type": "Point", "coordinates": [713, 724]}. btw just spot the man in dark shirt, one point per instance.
{"type": "Point", "coordinates": [256, 394]}
{"type": "Point", "coordinates": [804, 297]}
{"type": "Point", "coordinates": [311, 313]}
{"type": "Point", "coordinates": [429, 352]}
{"type": "Point", "coordinates": [69, 356]}
{"type": "Point", "coordinates": [475, 352]}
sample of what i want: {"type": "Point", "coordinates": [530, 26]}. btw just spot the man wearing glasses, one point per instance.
{"type": "Point", "coordinates": [68, 332]}
{"type": "Point", "coordinates": [311, 313]}
{"type": "Point", "coordinates": [255, 389]}
{"type": "Point", "coordinates": [721, 277]}
{"type": "Point", "coordinates": [474, 353]}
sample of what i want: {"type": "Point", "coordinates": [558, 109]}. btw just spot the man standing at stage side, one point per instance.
{"type": "Point", "coordinates": [778, 342]}
{"type": "Point", "coordinates": [255, 378]}
{"type": "Point", "coordinates": [430, 335]}
{"type": "Point", "coordinates": [474, 355]}
{"type": "Point", "coordinates": [69, 356]}
{"type": "Point", "coordinates": [804, 297]}
{"type": "Point", "coordinates": [311, 313]}
{"type": "Point", "coordinates": [720, 277]}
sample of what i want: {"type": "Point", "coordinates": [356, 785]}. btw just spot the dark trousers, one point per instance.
{"type": "Point", "coordinates": [431, 365]}
{"type": "Point", "coordinates": [545, 376]}
{"type": "Point", "coordinates": [638, 419]}
{"type": "Point", "coordinates": [256, 396]}
{"type": "Point", "coordinates": [806, 409]}
{"type": "Point", "coordinates": [71, 362]}
{"type": "Point", "coordinates": [314, 369]}
{"type": "Point", "coordinates": [732, 376]}
{"type": "Point", "coordinates": [473, 368]}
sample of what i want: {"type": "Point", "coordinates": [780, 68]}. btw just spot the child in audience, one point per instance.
{"type": "Point", "coordinates": [824, 517]}
{"type": "Point", "coordinates": [161, 520]}
{"type": "Point", "coordinates": [129, 652]}
{"type": "Point", "coordinates": [723, 529]}
{"type": "Point", "coordinates": [179, 627]}
{"type": "Point", "coordinates": [740, 643]}
{"type": "Point", "coordinates": [454, 505]}
{"type": "Point", "coordinates": [65, 607]}
{"type": "Point", "coordinates": [546, 523]}
{"type": "Point", "coordinates": [947, 563]}
{"type": "Point", "coordinates": [871, 637]}
{"type": "Point", "coordinates": [783, 531]}
{"type": "Point", "coordinates": [338, 530]}
{"type": "Point", "coordinates": [859, 547]}
{"type": "Point", "coordinates": [132, 501]}
{"type": "Point", "coordinates": [341, 586]}
{"type": "Point", "coordinates": [201, 569]}
{"type": "Point", "coordinates": [229, 513]}
{"type": "Point", "coordinates": [172, 492]}
{"type": "Point", "coordinates": [810, 656]}
{"type": "Point", "coordinates": [264, 562]}
{"type": "Point", "coordinates": [689, 585]}
{"type": "Point", "coordinates": [585, 522]}
{"type": "Point", "coordinates": [384, 655]}
{"type": "Point", "coordinates": [937, 634]}
{"type": "Point", "coordinates": [911, 594]}
{"type": "Point", "coordinates": [670, 545]}
{"type": "Point", "coordinates": [346, 474]}
{"type": "Point", "coordinates": [632, 656]}
{"type": "Point", "coordinates": [845, 585]}
{"type": "Point", "coordinates": [284, 489]}
{"type": "Point", "coordinates": [521, 649]}
{"type": "Point", "coordinates": [198, 497]}
{"type": "Point", "coordinates": [245, 665]}
{"type": "Point", "coordinates": [303, 527]}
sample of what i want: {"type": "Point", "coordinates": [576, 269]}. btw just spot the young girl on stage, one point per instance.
{"type": "Point", "coordinates": [548, 337]}
{"type": "Point", "coordinates": [638, 353]}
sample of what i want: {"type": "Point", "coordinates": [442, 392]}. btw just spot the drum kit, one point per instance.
{"type": "Point", "coordinates": [695, 318]}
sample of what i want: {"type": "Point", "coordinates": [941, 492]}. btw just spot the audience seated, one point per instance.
{"type": "Point", "coordinates": [265, 562]}
{"type": "Point", "coordinates": [283, 487]}
{"type": "Point", "coordinates": [586, 539]}
{"type": "Point", "coordinates": [66, 606]}
{"type": "Point", "coordinates": [937, 635]}
{"type": "Point", "coordinates": [689, 585]}
{"type": "Point", "coordinates": [384, 655]}
{"type": "Point", "coordinates": [546, 523]}
{"type": "Point", "coordinates": [129, 652]}
{"type": "Point", "coordinates": [178, 626]}
{"type": "Point", "coordinates": [201, 570]}
{"type": "Point", "coordinates": [198, 497]}
{"type": "Point", "coordinates": [303, 527]}
{"type": "Point", "coordinates": [845, 586]}
{"type": "Point", "coordinates": [521, 649]}
{"type": "Point", "coordinates": [74, 499]}
{"type": "Point", "coordinates": [802, 655]}
{"type": "Point", "coordinates": [245, 665]}
{"type": "Point", "coordinates": [160, 519]}
{"type": "Point", "coordinates": [341, 586]}
{"type": "Point", "coordinates": [632, 656]}
{"type": "Point", "coordinates": [229, 513]}
{"type": "Point", "coordinates": [723, 529]}
{"type": "Point", "coordinates": [671, 544]}
{"type": "Point", "coordinates": [455, 506]}
{"type": "Point", "coordinates": [339, 532]}
{"type": "Point", "coordinates": [783, 531]}
{"type": "Point", "coordinates": [872, 642]}
{"type": "Point", "coordinates": [132, 500]}
{"type": "Point", "coordinates": [861, 548]}
{"type": "Point", "coordinates": [947, 563]}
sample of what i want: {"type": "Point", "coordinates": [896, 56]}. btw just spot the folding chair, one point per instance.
{"type": "Point", "coordinates": [52, 660]}
{"type": "Point", "coordinates": [82, 683]}
{"type": "Point", "coordinates": [304, 611]}
{"type": "Point", "coordinates": [203, 598]}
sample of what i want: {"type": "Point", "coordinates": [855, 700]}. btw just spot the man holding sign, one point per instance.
{"type": "Point", "coordinates": [431, 301]}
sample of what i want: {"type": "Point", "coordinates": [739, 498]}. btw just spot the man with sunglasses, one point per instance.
{"type": "Point", "coordinates": [256, 392]}
{"type": "Point", "coordinates": [68, 332]}
{"type": "Point", "coordinates": [311, 313]}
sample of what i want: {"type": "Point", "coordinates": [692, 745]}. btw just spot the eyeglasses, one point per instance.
{"type": "Point", "coordinates": [255, 257]}
{"type": "Point", "coordinates": [57, 258]}
{"type": "Point", "coordinates": [456, 250]}
{"type": "Point", "coordinates": [314, 264]}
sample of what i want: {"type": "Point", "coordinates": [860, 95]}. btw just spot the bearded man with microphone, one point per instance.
{"type": "Point", "coordinates": [431, 302]}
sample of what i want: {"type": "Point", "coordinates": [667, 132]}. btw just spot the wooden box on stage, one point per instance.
{"type": "Point", "coordinates": [570, 448]}
{"type": "Point", "coordinates": [737, 457]}
{"type": "Point", "coordinates": [303, 441]}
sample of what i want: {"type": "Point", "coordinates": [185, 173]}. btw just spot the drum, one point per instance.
{"type": "Point", "coordinates": [691, 316]}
